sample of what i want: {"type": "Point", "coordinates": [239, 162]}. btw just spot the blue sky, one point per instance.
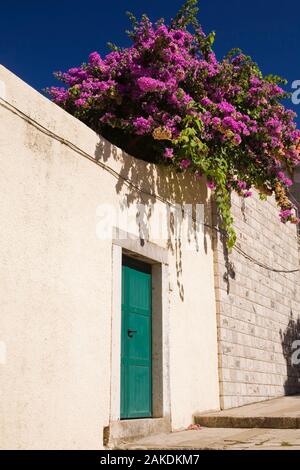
{"type": "Point", "coordinates": [37, 38]}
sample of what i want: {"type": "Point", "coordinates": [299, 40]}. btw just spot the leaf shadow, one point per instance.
{"type": "Point", "coordinates": [147, 184]}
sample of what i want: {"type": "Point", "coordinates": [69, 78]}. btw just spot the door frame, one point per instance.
{"type": "Point", "coordinates": [158, 258]}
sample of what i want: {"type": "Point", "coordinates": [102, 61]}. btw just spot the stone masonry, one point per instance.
{"type": "Point", "coordinates": [257, 308]}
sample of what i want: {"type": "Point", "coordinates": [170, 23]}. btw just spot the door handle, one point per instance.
{"type": "Point", "coordinates": [131, 333]}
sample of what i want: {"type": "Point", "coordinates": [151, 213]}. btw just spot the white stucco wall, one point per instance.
{"type": "Point", "coordinates": [55, 280]}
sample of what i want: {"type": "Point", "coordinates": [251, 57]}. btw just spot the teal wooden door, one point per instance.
{"type": "Point", "coordinates": [136, 355]}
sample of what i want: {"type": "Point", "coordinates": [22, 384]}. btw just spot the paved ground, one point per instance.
{"type": "Point", "coordinates": [221, 439]}
{"type": "Point", "coordinates": [284, 412]}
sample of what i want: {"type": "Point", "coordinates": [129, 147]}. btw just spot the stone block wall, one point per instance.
{"type": "Point", "coordinates": [257, 308]}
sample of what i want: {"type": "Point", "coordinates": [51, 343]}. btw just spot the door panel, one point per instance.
{"type": "Point", "coordinates": [136, 360]}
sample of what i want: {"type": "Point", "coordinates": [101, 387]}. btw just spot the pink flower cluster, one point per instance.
{"type": "Point", "coordinates": [141, 87]}
{"type": "Point", "coordinates": [147, 91]}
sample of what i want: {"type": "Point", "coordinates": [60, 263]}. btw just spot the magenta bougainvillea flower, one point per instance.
{"type": "Point", "coordinates": [211, 185]}
{"type": "Point", "coordinates": [167, 98]}
{"type": "Point", "coordinates": [184, 164]}
{"type": "Point", "coordinates": [169, 152]}
{"type": "Point", "coordinates": [148, 85]}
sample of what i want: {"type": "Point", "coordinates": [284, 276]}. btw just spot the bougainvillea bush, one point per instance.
{"type": "Point", "coordinates": [168, 99]}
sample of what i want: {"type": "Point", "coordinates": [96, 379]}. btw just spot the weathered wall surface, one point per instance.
{"type": "Point", "coordinates": [257, 308]}
{"type": "Point", "coordinates": [56, 287]}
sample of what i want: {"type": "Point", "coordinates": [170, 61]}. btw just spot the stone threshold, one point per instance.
{"type": "Point", "coordinates": [127, 430]}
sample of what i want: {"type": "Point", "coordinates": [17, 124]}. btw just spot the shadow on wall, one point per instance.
{"type": "Point", "coordinates": [290, 341]}
{"type": "Point", "coordinates": [168, 185]}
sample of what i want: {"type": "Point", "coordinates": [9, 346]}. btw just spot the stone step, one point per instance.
{"type": "Point", "coordinates": [241, 422]}
{"type": "Point", "coordinates": [278, 413]}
